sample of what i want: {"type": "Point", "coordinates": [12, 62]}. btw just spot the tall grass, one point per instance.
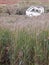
{"type": "Point", "coordinates": [25, 48]}
{"type": "Point", "coordinates": [34, 47]}
{"type": "Point", "coordinates": [6, 42]}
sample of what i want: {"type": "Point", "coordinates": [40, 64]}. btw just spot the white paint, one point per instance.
{"type": "Point", "coordinates": [34, 11]}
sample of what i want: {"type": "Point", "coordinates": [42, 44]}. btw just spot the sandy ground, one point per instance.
{"type": "Point", "coordinates": [14, 22]}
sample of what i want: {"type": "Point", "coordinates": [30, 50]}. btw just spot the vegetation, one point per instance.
{"type": "Point", "coordinates": [24, 48]}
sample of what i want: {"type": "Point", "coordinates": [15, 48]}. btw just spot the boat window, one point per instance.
{"type": "Point", "coordinates": [38, 11]}
{"type": "Point", "coordinates": [32, 10]}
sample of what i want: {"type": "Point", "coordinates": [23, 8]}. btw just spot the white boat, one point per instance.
{"type": "Point", "coordinates": [35, 11]}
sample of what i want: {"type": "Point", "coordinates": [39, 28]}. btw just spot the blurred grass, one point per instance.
{"type": "Point", "coordinates": [28, 48]}
{"type": "Point", "coordinates": [25, 47]}
{"type": "Point", "coordinates": [4, 8]}
{"type": "Point", "coordinates": [24, 3]}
